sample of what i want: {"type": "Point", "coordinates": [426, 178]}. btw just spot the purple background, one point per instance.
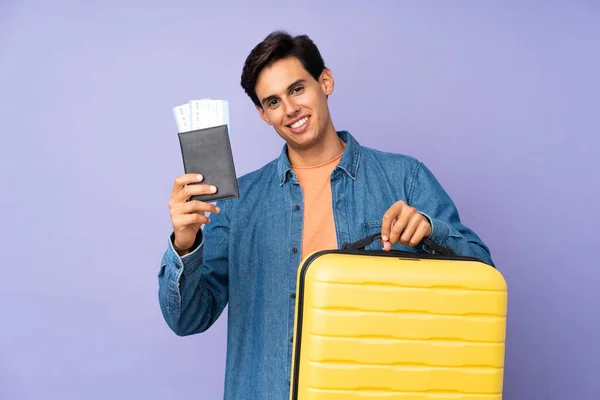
{"type": "Point", "coordinates": [499, 100]}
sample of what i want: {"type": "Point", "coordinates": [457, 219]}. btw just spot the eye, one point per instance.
{"type": "Point", "coordinates": [273, 103]}
{"type": "Point", "coordinates": [298, 89]}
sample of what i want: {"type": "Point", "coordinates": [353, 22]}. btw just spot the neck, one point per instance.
{"type": "Point", "coordinates": [329, 147]}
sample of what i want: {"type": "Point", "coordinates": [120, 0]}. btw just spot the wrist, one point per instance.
{"type": "Point", "coordinates": [181, 251]}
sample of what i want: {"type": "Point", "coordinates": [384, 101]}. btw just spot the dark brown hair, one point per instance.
{"type": "Point", "coordinates": [276, 46]}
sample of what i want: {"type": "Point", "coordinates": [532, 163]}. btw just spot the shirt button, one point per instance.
{"type": "Point", "coordinates": [296, 207]}
{"type": "Point", "coordinates": [294, 250]}
{"type": "Point", "coordinates": [293, 295]}
{"type": "Point", "coordinates": [177, 266]}
{"type": "Point", "coordinates": [291, 339]}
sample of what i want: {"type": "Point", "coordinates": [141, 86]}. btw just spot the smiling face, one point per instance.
{"type": "Point", "coordinates": [295, 104]}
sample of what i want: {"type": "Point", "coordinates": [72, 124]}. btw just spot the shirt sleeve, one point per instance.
{"type": "Point", "coordinates": [192, 290]}
{"type": "Point", "coordinates": [428, 196]}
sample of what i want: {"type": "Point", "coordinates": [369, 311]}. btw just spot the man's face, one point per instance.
{"type": "Point", "coordinates": [294, 102]}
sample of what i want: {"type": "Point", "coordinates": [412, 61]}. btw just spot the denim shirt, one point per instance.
{"type": "Point", "coordinates": [248, 256]}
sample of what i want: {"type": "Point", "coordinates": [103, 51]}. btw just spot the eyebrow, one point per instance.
{"type": "Point", "coordinates": [267, 99]}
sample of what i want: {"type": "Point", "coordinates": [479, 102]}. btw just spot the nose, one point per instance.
{"type": "Point", "coordinates": [290, 108]}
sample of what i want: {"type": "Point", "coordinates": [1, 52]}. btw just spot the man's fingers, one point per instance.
{"type": "Point", "coordinates": [399, 226]}
{"type": "Point", "coordinates": [192, 190]}
{"type": "Point", "coordinates": [387, 246]}
{"type": "Point", "coordinates": [183, 221]}
{"type": "Point", "coordinates": [403, 223]}
{"type": "Point", "coordinates": [196, 206]}
{"type": "Point", "coordinates": [419, 234]}
{"type": "Point", "coordinates": [183, 180]}
{"type": "Point", "coordinates": [410, 229]}
{"type": "Point", "coordinates": [389, 218]}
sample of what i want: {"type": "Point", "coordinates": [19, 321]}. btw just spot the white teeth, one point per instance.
{"type": "Point", "coordinates": [299, 123]}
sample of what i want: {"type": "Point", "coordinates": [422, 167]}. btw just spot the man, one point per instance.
{"type": "Point", "coordinates": [324, 190]}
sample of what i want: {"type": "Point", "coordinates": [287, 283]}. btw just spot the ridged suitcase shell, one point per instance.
{"type": "Point", "coordinates": [376, 325]}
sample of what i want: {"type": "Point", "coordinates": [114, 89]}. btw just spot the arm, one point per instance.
{"type": "Point", "coordinates": [193, 289]}
{"type": "Point", "coordinates": [430, 199]}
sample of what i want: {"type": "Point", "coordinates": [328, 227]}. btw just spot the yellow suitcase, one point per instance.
{"type": "Point", "coordinates": [397, 326]}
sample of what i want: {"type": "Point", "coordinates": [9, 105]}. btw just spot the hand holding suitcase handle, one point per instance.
{"type": "Point", "coordinates": [361, 244]}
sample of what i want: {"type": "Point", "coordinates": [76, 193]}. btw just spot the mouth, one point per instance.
{"type": "Point", "coordinates": [299, 125]}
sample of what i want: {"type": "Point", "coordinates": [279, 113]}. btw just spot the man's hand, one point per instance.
{"type": "Point", "coordinates": [403, 223]}
{"type": "Point", "coordinates": [188, 216]}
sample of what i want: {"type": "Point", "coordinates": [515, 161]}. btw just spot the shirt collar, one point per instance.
{"type": "Point", "coordinates": [348, 163]}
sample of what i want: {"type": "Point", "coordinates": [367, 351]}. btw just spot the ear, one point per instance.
{"type": "Point", "coordinates": [262, 114]}
{"type": "Point", "coordinates": [326, 81]}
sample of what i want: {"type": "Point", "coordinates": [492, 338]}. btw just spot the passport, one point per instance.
{"type": "Point", "coordinates": [207, 151]}
{"type": "Point", "coordinates": [203, 130]}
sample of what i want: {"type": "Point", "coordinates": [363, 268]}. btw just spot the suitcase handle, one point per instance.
{"type": "Point", "coordinates": [362, 243]}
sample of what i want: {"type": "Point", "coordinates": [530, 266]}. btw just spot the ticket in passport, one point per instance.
{"type": "Point", "coordinates": [200, 114]}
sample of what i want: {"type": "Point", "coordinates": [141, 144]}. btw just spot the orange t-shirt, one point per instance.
{"type": "Point", "coordinates": [318, 231]}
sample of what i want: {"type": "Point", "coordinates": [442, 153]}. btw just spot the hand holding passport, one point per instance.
{"type": "Point", "coordinates": [205, 147]}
